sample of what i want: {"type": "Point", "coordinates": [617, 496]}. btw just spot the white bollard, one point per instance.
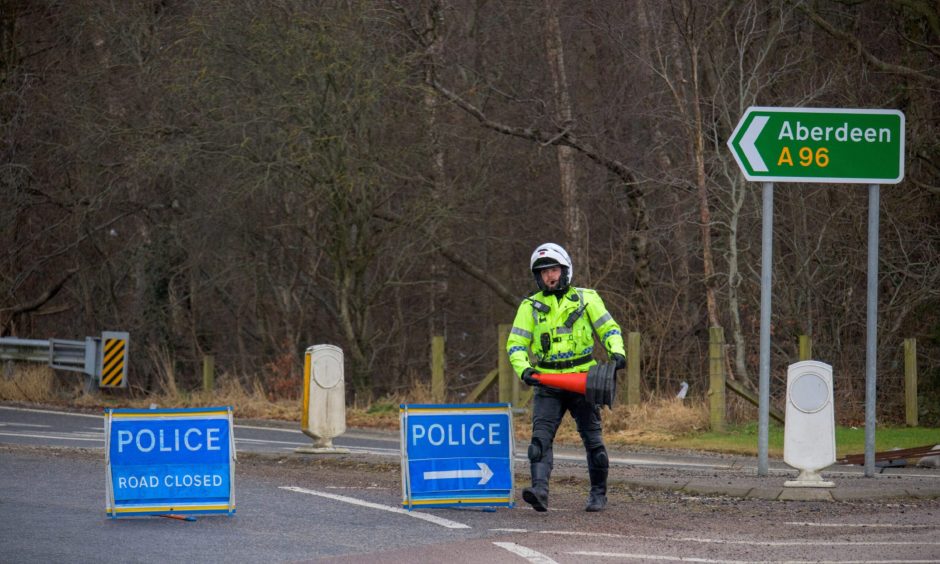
{"type": "Point", "coordinates": [809, 442]}
{"type": "Point", "coordinates": [324, 399]}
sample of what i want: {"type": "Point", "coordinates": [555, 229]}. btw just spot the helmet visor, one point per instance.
{"type": "Point", "coordinates": [544, 263]}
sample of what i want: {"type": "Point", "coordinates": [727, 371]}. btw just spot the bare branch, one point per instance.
{"type": "Point", "coordinates": [563, 137]}
{"type": "Point", "coordinates": [39, 301]}
{"type": "Point", "coordinates": [865, 53]}
{"type": "Point", "coordinates": [461, 263]}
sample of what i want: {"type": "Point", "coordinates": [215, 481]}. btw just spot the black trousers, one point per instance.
{"type": "Point", "coordinates": [550, 405]}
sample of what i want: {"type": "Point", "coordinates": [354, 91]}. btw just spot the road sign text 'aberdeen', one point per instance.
{"type": "Point", "coordinates": [847, 146]}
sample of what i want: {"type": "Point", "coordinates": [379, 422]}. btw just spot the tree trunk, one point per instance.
{"type": "Point", "coordinates": [698, 153]}
{"type": "Point", "coordinates": [434, 22]}
{"type": "Point", "coordinates": [574, 232]}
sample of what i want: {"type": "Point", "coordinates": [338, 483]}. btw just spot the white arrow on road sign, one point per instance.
{"type": "Point", "coordinates": [747, 143]}
{"type": "Point", "coordinates": [484, 474]}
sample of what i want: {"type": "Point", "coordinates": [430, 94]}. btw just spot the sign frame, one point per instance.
{"type": "Point", "coordinates": [465, 470]}
{"type": "Point", "coordinates": [118, 419]}
{"type": "Point", "coordinates": [746, 146]}
{"type": "Point", "coordinates": [742, 143]}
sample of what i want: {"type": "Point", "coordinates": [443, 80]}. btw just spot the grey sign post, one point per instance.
{"type": "Point", "coordinates": [828, 145]}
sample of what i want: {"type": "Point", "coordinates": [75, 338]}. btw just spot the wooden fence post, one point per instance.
{"type": "Point", "coordinates": [910, 381]}
{"type": "Point", "coordinates": [482, 387]}
{"type": "Point", "coordinates": [437, 368]}
{"type": "Point", "coordinates": [506, 375]}
{"type": "Point", "coordinates": [716, 378]}
{"type": "Point", "coordinates": [806, 347]}
{"type": "Point", "coordinates": [208, 373]}
{"type": "Point", "coordinates": [633, 369]}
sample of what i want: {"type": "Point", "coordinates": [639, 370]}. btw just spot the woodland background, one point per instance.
{"type": "Point", "coordinates": [245, 179]}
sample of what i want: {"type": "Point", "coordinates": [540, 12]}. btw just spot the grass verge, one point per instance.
{"type": "Point", "coordinates": [742, 439]}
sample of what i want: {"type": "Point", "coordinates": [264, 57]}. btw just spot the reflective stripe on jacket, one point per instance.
{"type": "Point", "coordinates": [533, 329]}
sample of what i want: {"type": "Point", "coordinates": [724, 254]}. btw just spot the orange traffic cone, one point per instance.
{"type": "Point", "coordinates": [598, 384]}
{"type": "Point", "coordinates": [571, 381]}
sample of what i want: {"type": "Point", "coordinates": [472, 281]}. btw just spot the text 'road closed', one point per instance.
{"type": "Point", "coordinates": [172, 481]}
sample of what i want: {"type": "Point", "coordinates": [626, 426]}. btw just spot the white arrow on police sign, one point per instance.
{"type": "Point", "coordinates": [484, 474]}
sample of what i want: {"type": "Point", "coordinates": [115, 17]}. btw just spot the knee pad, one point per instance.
{"type": "Point", "coordinates": [597, 458]}
{"type": "Point", "coordinates": [535, 450]}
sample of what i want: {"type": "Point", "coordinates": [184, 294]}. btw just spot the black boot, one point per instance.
{"type": "Point", "coordinates": [537, 495]}
{"type": "Point", "coordinates": [598, 497]}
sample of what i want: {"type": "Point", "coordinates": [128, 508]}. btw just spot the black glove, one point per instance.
{"type": "Point", "coordinates": [528, 378]}
{"type": "Point", "coordinates": [618, 360]}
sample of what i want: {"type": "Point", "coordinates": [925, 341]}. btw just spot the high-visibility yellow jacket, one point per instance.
{"type": "Point", "coordinates": [560, 331]}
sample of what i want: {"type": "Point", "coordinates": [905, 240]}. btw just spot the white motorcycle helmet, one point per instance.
{"type": "Point", "coordinates": [548, 255]}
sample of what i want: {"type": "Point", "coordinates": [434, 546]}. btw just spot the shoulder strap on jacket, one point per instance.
{"type": "Point", "coordinates": [576, 314]}
{"type": "Point", "coordinates": [537, 305]}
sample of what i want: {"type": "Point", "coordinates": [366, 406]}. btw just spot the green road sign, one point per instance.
{"type": "Point", "coordinates": [845, 146]}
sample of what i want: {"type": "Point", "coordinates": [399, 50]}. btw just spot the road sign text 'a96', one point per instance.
{"type": "Point", "coordinates": [456, 455]}
{"type": "Point", "coordinates": [829, 145]}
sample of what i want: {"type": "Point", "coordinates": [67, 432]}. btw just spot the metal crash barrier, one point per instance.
{"type": "Point", "coordinates": [102, 360]}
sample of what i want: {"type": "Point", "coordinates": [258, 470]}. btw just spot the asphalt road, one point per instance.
{"type": "Point", "coordinates": [57, 428]}
{"type": "Point", "coordinates": [346, 508]}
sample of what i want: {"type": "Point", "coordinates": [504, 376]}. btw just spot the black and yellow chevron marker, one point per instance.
{"type": "Point", "coordinates": [112, 363]}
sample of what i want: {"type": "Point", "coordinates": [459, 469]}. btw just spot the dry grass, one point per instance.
{"type": "Point", "coordinates": [249, 404]}
{"type": "Point", "coordinates": [30, 383]}
{"type": "Point", "coordinates": [41, 385]}
{"type": "Point", "coordinates": [655, 422]}
{"type": "Point", "coordinates": [384, 413]}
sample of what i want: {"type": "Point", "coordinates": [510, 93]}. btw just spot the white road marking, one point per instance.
{"type": "Point", "coordinates": [745, 542]}
{"type": "Point", "coordinates": [56, 437]}
{"type": "Point", "coordinates": [24, 425]}
{"type": "Point", "coordinates": [352, 449]}
{"type": "Point", "coordinates": [587, 534]}
{"type": "Point", "coordinates": [863, 525]}
{"type": "Point", "coordinates": [51, 411]}
{"type": "Point", "coordinates": [649, 557]}
{"type": "Point", "coordinates": [423, 516]}
{"type": "Point", "coordinates": [377, 451]}
{"type": "Point", "coordinates": [645, 462]}
{"type": "Point", "coordinates": [806, 543]}
{"type": "Point", "coordinates": [525, 552]}
{"type": "Point", "coordinates": [356, 488]}
{"type": "Point", "coordinates": [266, 441]}
{"type": "Point", "coordinates": [510, 530]}
{"type": "Point", "coordinates": [257, 428]}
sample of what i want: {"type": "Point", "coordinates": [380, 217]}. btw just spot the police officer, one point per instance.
{"type": "Point", "coordinates": [558, 323]}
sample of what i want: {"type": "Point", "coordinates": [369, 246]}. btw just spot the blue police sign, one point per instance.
{"type": "Point", "coordinates": [169, 461]}
{"type": "Point", "coordinates": [456, 455]}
